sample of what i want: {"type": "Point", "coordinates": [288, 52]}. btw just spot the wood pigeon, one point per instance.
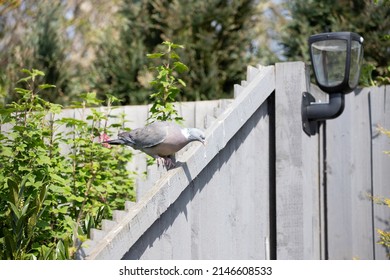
{"type": "Point", "coordinates": [160, 140]}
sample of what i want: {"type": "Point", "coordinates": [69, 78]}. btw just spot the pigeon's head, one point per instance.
{"type": "Point", "coordinates": [123, 139]}
{"type": "Point", "coordinates": [195, 134]}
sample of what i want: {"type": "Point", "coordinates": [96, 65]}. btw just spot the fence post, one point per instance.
{"type": "Point", "coordinates": [297, 168]}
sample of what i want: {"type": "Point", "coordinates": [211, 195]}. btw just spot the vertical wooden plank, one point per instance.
{"type": "Point", "coordinates": [380, 116]}
{"type": "Point", "coordinates": [349, 180]}
{"type": "Point", "coordinates": [214, 191]}
{"type": "Point", "coordinates": [170, 236]}
{"type": "Point", "coordinates": [202, 109]}
{"type": "Point", "coordinates": [180, 236]}
{"type": "Point", "coordinates": [187, 111]}
{"type": "Point", "coordinates": [322, 97]}
{"type": "Point", "coordinates": [231, 215]}
{"type": "Point", "coordinates": [136, 116]}
{"type": "Point", "coordinates": [297, 170]}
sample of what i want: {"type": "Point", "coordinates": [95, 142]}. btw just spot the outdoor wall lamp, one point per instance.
{"type": "Point", "coordinates": [336, 59]}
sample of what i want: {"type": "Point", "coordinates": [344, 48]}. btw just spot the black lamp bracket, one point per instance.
{"type": "Point", "coordinates": [313, 112]}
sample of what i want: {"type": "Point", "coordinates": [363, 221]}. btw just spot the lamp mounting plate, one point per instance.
{"type": "Point", "coordinates": [308, 126]}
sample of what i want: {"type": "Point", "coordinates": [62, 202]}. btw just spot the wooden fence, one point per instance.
{"type": "Point", "coordinates": [261, 188]}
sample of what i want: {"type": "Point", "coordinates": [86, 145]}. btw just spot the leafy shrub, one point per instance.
{"type": "Point", "coordinates": [166, 85]}
{"type": "Point", "coordinates": [49, 198]}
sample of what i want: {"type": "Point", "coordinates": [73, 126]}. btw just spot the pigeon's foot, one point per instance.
{"type": "Point", "coordinates": [169, 163]}
{"type": "Point", "coordinates": [165, 161]}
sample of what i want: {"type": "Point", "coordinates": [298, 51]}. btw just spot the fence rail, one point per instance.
{"type": "Point", "coordinates": [261, 188]}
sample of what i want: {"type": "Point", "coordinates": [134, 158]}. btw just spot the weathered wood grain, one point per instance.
{"type": "Point", "coordinates": [379, 99]}
{"type": "Point", "coordinates": [349, 180]}
{"type": "Point", "coordinates": [297, 170]}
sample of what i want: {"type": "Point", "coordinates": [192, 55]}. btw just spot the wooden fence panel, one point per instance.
{"type": "Point", "coordinates": [224, 213]}
{"type": "Point", "coordinates": [349, 180]}
{"type": "Point", "coordinates": [297, 170]}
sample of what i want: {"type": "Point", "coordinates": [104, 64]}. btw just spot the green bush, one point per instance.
{"type": "Point", "coordinates": [49, 198]}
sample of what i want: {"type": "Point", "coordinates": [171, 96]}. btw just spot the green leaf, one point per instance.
{"type": "Point", "coordinates": [176, 46]}
{"type": "Point", "coordinates": [6, 152]}
{"type": "Point", "coordinates": [15, 210]}
{"type": "Point", "coordinates": [112, 99]}
{"type": "Point", "coordinates": [22, 91]}
{"type": "Point", "coordinates": [63, 210]}
{"type": "Point", "coordinates": [46, 252]}
{"type": "Point", "coordinates": [42, 194]}
{"type": "Point", "coordinates": [7, 111]}
{"type": "Point", "coordinates": [90, 98]}
{"type": "Point", "coordinates": [174, 55]}
{"type": "Point", "coordinates": [25, 206]}
{"type": "Point", "coordinates": [57, 179]}
{"type": "Point", "coordinates": [155, 55]}
{"type": "Point", "coordinates": [36, 72]}
{"type": "Point", "coordinates": [43, 159]}
{"type": "Point", "coordinates": [55, 108]}
{"type": "Point", "coordinates": [60, 189]}
{"type": "Point", "coordinates": [172, 45]}
{"type": "Point", "coordinates": [45, 86]}
{"type": "Point", "coordinates": [13, 190]}
{"type": "Point", "coordinates": [180, 67]}
{"type": "Point", "coordinates": [61, 251]}
{"type": "Point", "coordinates": [69, 122]}
{"type": "Point", "coordinates": [182, 82]}
{"type": "Point", "coordinates": [24, 80]}
{"type": "Point", "coordinates": [78, 198]}
{"type": "Point", "coordinates": [26, 71]}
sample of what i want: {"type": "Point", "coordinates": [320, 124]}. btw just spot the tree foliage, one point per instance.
{"type": "Point", "coordinates": [218, 36]}
{"type": "Point", "coordinates": [31, 39]}
{"type": "Point", "coordinates": [370, 19]}
{"type": "Point", "coordinates": [102, 47]}
{"type": "Point", "coordinates": [57, 37]}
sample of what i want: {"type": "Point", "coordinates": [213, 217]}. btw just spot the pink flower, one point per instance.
{"type": "Point", "coordinates": [103, 138]}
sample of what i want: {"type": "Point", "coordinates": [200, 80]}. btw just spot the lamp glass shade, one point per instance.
{"type": "Point", "coordinates": [336, 59]}
{"type": "Point", "coordinates": [356, 63]}
{"type": "Point", "coordinates": [329, 57]}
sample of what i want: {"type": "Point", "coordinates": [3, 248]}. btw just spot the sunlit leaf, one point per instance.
{"type": "Point", "coordinates": [181, 82]}
{"type": "Point", "coordinates": [45, 86]}
{"type": "Point", "coordinates": [180, 67]}
{"type": "Point", "coordinates": [155, 55]}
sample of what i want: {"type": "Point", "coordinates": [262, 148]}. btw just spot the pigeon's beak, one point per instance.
{"type": "Point", "coordinates": [204, 142]}
{"type": "Point", "coordinates": [115, 142]}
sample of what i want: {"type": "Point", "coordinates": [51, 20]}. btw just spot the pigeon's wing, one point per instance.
{"type": "Point", "coordinates": [149, 136]}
